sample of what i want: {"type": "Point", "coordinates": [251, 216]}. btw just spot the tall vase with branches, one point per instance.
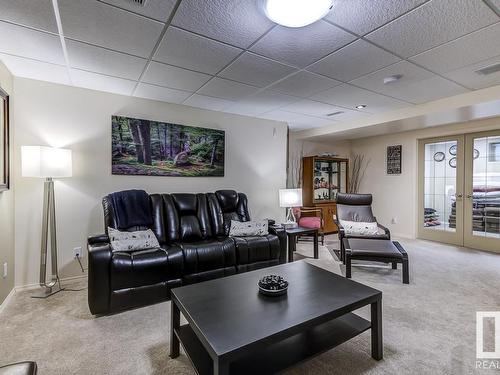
{"type": "Point", "coordinates": [358, 168]}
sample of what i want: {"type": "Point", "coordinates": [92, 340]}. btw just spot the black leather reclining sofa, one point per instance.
{"type": "Point", "coordinates": [192, 230]}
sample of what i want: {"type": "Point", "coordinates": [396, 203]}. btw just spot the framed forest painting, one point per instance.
{"type": "Point", "coordinates": [154, 148]}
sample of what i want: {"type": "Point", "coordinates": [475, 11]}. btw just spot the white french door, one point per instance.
{"type": "Point", "coordinates": [459, 190]}
{"type": "Point", "coordinates": [441, 167]}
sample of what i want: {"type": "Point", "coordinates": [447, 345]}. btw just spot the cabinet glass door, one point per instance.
{"type": "Point", "coordinates": [321, 181]}
{"type": "Point", "coordinates": [334, 183]}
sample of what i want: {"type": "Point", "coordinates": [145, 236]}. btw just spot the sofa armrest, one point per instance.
{"type": "Point", "coordinates": [97, 238]}
{"type": "Point", "coordinates": [99, 263]}
{"type": "Point", "coordinates": [281, 234]}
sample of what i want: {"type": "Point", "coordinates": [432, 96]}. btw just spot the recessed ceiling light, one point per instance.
{"type": "Point", "coordinates": [361, 106]}
{"type": "Point", "coordinates": [393, 78]}
{"type": "Point", "coordinates": [296, 13]}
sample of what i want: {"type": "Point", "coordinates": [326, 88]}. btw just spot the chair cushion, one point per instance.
{"type": "Point", "coordinates": [145, 267]}
{"type": "Point", "coordinates": [360, 228]}
{"type": "Point", "coordinates": [372, 248]}
{"type": "Point", "coordinates": [256, 249]}
{"type": "Point", "coordinates": [312, 222]}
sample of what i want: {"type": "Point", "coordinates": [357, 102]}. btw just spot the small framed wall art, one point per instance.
{"type": "Point", "coordinates": [394, 159]}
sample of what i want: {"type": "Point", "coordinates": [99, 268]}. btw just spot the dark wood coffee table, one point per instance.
{"type": "Point", "coordinates": [292, 235]}
{"type": "Point", "coordinates": [232, 329]}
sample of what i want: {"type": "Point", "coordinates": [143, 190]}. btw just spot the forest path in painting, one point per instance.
{"type": "Point", "coordinates": [143, 147]}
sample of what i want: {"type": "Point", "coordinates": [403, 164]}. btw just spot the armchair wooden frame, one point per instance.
{"type": "Point", "coordinates": [316, 212]}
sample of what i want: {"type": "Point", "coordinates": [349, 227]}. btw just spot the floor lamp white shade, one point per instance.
{"type": "Point", "coordinates": [47, 162]}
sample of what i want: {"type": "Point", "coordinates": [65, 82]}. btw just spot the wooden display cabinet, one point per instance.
{"type": "Point", "coordinates": [322, 179]}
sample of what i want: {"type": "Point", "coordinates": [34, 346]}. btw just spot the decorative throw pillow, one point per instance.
{"type": "Point", "coordinates": [249, 228]}
{"type": "Point", "coordinates": [360, 228]}
{"type": "Point", "coordinates": [130, 241]}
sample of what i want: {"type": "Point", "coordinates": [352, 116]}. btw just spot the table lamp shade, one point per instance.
{"type": "Point", "coordinates": [46, 162]}
{"type": "Point", "coordinates": [290, 197]}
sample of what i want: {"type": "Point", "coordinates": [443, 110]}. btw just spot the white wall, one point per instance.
{"type": "Point", "coordinates": [396, 196]}
{"type": "Point", "coordinates": [6, 210]}
{"type": "Point", "coordinates": [62, 116]}
{"type": "Point", "coordinates": [298, 148]}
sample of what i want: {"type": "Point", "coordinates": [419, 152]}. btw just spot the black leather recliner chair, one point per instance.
{"type": "Point", "coordinates": [356, 207]}
{"type": "Point", "coordinates": [192, 230]}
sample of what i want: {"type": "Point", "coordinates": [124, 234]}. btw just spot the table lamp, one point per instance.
{"type": "Point", "coordinates": [290, 198]}
{"type": "Point", "coordinates": [48, 163]}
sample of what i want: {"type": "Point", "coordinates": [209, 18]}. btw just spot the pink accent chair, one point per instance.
{"type": "Point", "coordinates": [310, 217]}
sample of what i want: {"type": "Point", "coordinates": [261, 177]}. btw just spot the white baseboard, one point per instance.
{"type": "Point", "coordinates": [37, 285]}
{"type": "Point", "coordinates": [7, 299]}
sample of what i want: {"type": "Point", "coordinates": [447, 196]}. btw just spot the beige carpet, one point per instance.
{"type": "Point", "coordinates": [429, 325]}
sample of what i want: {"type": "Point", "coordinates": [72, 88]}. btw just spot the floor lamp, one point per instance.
{"type": "Point", "coordinates": [47, 163]}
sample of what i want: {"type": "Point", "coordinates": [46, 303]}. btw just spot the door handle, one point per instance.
{"type": "Point", "coordinates": [459, 195]}
{"type": "Point", "coordinates": [468, 196]}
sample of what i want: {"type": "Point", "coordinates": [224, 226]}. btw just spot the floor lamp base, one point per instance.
{"type": "Point", "coordinates": [47, 292]}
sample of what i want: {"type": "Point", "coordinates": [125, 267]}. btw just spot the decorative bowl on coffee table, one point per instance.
{"type": "Point", "coordinates": [273, 286]}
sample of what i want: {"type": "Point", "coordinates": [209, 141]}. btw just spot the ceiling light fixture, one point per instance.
{"type": "Point", "coordinates": [393, 78]}
{"type": "Point", "coordinates": [296, 13]}
{"type": "Point", "coordinates": [361, 106]}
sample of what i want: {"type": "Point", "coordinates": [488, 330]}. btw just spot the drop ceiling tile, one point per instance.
{"type": "Point", "coordinates": [101, 60]}
{"type": "Point", "coordinates": [468, 77]}
{"type": "Point", "coordinates": [304, 84]}
{"type": "Point", "coordinates": [38, 14]}
{"type": "Point", "coordinates": [256, 70]}
{"type": "Point", "coordinates": [358, 17]}
{"type": "Point", "coordinates": [157, 9]}
{"type": "Point", "coordinates": [225, 89]}
{"type": "Point", "coordinates": [32, 44]}
{"type": "Point", "coordinates": [434, 23]}
{"type": "Point", "coordinates": [173, 77]}
{"type": "Point", "coordinates": [190, 51]}
{"type": "Point", "coordinates": [237, 22]}
{"type": "Point", "coordinates": [350, 96]}
{"type": "Point", "coordinates": [101, 82]}
{"type": "Point", "coordinates": [295, 127]}
{"type": "Point", "coordinates": [26, 68]}
{"type": "Point", "coordinates": [163, 94]}
{"type": "Point", "coordinates": [302, 46]}
{"type": "Point", "coordinates": [297, 118]}
{"type": "Point", "coordinates": [313, 108]}
{"type": "Point", "coordinates": [207, 102]}
{"type": "Point", "coordinates": [260, 103]}
{"type": "Point", "coordinates": [469, 49]}
{"type": "Point", "coordinates": [103, 25]}
{"type": "Point", "coordinates": [416, 86]}
{"type": "Point", "coordinates": [352, 61]}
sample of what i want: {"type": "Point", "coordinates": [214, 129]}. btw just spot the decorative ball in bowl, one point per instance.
{"type": "Point", "coordinates": [273, 285]}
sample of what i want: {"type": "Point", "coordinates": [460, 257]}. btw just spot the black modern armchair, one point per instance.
{"type": "Point", "coordinates": [356, 207]}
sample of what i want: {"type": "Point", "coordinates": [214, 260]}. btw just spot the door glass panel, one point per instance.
{"type": "Point", "coordinates": [486, 187]}
{"type": "Point", "coordinates": [440, 186]}
{"type": "Point", "coordinates": [321, 181]}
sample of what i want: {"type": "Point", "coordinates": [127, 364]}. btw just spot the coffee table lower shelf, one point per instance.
{"type": "Point", "coordinates": [281, 355]}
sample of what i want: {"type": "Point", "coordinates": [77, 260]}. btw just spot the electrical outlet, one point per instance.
{"type": "Point", "coordinates": [77, 251]}
{"type": "Point", "coordinates": [5, 269]}
{"type": "Point", "coordinates": [394, 220]}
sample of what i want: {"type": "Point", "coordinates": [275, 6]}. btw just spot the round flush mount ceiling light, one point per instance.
{"type": "Point", "coordinates": [296, 13]}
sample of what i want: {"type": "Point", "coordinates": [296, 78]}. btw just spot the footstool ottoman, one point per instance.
{"type": "Point", "coordinates": [385, 251]}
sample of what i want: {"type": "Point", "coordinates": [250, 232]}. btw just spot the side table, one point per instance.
{"type": "Point", "coordinates": [292, 240]}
